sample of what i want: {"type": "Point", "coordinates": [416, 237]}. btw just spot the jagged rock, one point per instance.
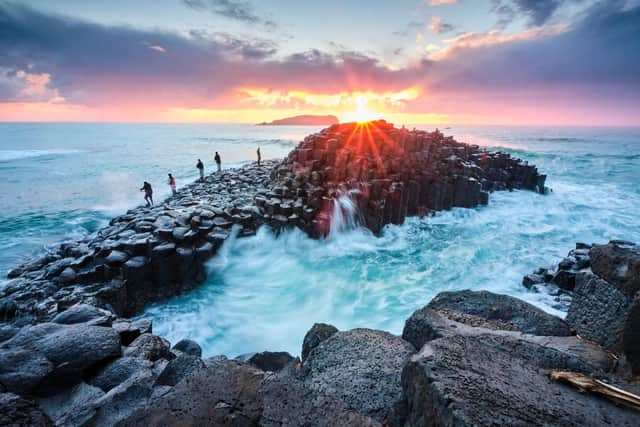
{"type": "Point", "coordinates": [503, 309]}
{"type": "Point", "coordinates": [619, 264]}
{"type": "Point", "coordinates": [148, 346]}
{"type": "Point", "coordinates": [223, 393]}
{"type": "Point", "coordinates": [71, 349]}
{"type": "Point", "coordinates": [598, 311]}
{"type": "Point", "coordinates": [362, 368]}
{"type": "Point", "coordinates": [179, 368]}
{"type": "Point", "coordinates": [84, 313]}
{"type": "Point", "coordinates": [288, 402]}
{"type": "Point", "coordinates": [119, 371]}
{"type": "Point", "coordinates": [22, 370]}
{"type": "Point", "coordinates": [270, 360]}
{"type": "Point", "coordinates": [318, 333]}
{"type": "Point", "coordinates": [130, 330]}
{"type": "Point", "coordinates": [499, 380]}
{"type": "Point", "coordinates": [427, 324]}
{"type": "Point", "coordinates": [73, 406]}
{"type": "Point", "coordinates": [189, 347]}
{"type": "Point", "coordinates": [18, 411]}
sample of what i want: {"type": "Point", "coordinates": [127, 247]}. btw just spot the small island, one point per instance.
{"type": "Point", "coordinates": [304, 120]}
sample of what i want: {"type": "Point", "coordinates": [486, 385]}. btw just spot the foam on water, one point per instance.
{"type": "Point", "coordinates": [9, 155]}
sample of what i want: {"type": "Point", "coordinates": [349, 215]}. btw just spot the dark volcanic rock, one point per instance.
{"type": "Point", "coordinates": [502, 311]}
{"type": "Point", "coordinates": [189, 347]}
{"type": "Point", "coordinates": [118, 371]}
{"type": "Point", "coordinates": [22, 370]}
{"type": "Point", "coordinates": [318, 333]}
{"type": "Point", "coordinates": [148, 346]}
{"type": "Point", "coordinates": [598, 311]}
{"type": "Point", "coordinates": [17, 411]}
{"type": "Point", "coordinates": [619, 264]}
{"type": "Point", "coordinates": [389, 173]}
{"type": "Point", "coordinates": [179, 368]}
{"type": "Point", "coordinates": [495, 380]}
{"type": "Point", "coordinates": [270, 360]}
{"type": "Point", "coordinates": [224, 393]}
{"type": "Point", "coordinates": [288, 402]}
{"type": "Point", "coordinates": [362, 368]}
{"type": "Point", "coordinates": [83, 313]}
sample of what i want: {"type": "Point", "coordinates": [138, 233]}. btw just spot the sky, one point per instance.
{"type": "Point", "coordinates": [522, 62]}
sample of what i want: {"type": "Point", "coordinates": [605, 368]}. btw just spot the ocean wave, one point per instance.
{"type": "Point", "coordinates": [9, 155]}
{"type": "Point", "coordinates": [253, 141]}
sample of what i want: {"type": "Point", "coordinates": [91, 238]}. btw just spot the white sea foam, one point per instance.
{"type": "Point", "coordinates": [9, 155]}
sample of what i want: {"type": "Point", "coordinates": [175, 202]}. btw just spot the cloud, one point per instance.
{"type": "Point", "coordinates": [158, 48]}
{"type": "Point", "coordinates": [440, 2]}
{"type": "Point", "coordinates": [411, 28]}
{"type": "Point", "coordinates": [589, 66]}
{"type": "Point", "coordinates": [537, 12]}
{"type": "Point", "coordinates": [237, 10]}
{"type": "Point", "coordinates": [438, 26]}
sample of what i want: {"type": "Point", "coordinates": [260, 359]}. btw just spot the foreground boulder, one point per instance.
{"type": "Point", "coordinates": [605, 306]}
{"type": "Point", "coordinates": [500, 312]}
{"type": "Point", "coordinates": [362, 368]}
{"type": "Point", "coordinates": [499, 380]}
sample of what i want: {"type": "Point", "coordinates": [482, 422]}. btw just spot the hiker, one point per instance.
{"type": "Point", "coordinates": [148, 193]}
{"type": "Point", "coordinates": [200, 167]}
{"type": "Point", "coordinates": [218, 161]}
{"type": "Point", "coordinates": [259, 156]}
{"type": "Point", "coordinates": [172, 183]}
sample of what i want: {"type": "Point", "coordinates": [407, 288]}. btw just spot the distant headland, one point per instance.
{"type": "Point", "coordinates": [304, 120]}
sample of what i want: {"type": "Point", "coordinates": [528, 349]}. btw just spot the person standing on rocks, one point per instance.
{"type": "Point", "coordinates": [172, 184]}
{"type": "Point", "coordinates": [200, 167]}
{"type": "Point", "coordinates": [259, 156]}
{"type": "Point", "coordinates": [148, 193]}
{"type": "Point", "coordinates": [218, 161]}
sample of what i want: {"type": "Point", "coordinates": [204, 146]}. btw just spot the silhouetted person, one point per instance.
{"type": "Point", "coordinates": [200, 167]}
{"type": "Point", "coordinates": [218, 161]}
{"type": "Point", "coordinates": [172, 184]}
{"type": "Point", "coordinates": [259, 156]}
{"type": "Point", "coordinates": [148, 193]}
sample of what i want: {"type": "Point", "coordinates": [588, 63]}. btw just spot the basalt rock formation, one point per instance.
{"type": "Point", "coordinates": [391, 173]}
{"type": "Point", "coordinates": [602, 283]}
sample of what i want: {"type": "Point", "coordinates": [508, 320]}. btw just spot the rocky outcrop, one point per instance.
{"type": "Point", "coordinates": [362, 368]}
{"type": "Point", "coordinates": [390, 173]}
{"type": "Point", "coordinates": [603, 297]}
{"type": "Point", "coordinates": [145, 255]}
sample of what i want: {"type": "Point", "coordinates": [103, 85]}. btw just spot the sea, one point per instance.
{"type": "Point", "coordinates": [63, 181]}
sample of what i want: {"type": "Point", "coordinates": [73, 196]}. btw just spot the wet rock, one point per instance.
{"type": "Point", "coordinates": [84, 313]}
{"type": "Point", "coordinates": [498, 380]}
{"type": "Point", "coordinates": [117, 257]}
{"type": "Point", "coordinates": [318, 333]}
{"type": "Point", "coordinates": [270, 360]}
{"type": "Point", "coordinates": [22, 370]}
{"type": "Point", "coordinates": [18, 411]}
{"type": "Point", "coordinates": [362, 368]}
{"type": "Point", "coordinates": [148, 346]}
{"type": "Point", "coordinates": [288, 402]}
{"type": "Point", "coordinates": [502, 308]}
{"type": "Point", "coordinates": [598, 311]}
{"type": "Point", "coordinates": [119, 371]}
{"type": "Point", "coordinates": [72, 407]}
{"type": "Point", "coordinates": [188, 347]}
{"type": "Point", "coordinates": [223, 393]}
{"type": "Point", "coordinates": [130, 330]}
{"type": "Point", "coordinates": [179, 368]}
{"type": "Point", "coordinates": [619, 264]}
{"type": "Point", "coordinates": [71, 349]}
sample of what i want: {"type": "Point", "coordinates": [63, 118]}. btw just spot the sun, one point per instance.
{"type": "Point", "coordinates": [362, 113]}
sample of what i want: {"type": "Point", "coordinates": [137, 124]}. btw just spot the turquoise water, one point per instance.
{"type": "Point", "coordinates": [263, 292]}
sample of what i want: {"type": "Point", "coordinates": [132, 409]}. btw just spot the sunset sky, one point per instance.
{"type": "Point", "coordinates": [552, 62]}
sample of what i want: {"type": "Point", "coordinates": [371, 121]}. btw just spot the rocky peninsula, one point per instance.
{"type": "Point", "coordinates": [71, 355]}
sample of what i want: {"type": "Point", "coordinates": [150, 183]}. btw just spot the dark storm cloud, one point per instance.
{"type": "Point", "coordinates": [537, 12]}
{"type": "Point", "coordinates": [237, 10]}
